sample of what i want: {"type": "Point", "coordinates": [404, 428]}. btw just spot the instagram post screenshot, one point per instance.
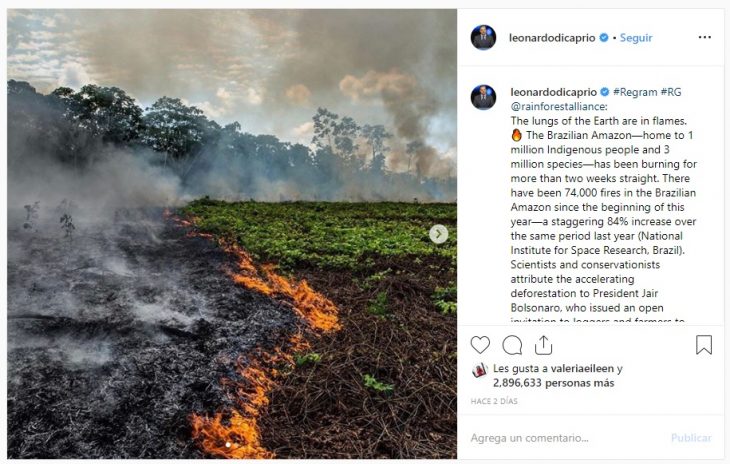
{"type": "Point", "coordinates": [445, 231]}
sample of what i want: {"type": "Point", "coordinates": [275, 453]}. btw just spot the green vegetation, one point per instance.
{"type": "Point", "coordinates": [375, 278]}
{"type": "Point", "coordinates": [379, 306]}
{"type": "Point", "coordinates": [445, 299]}
{"type": "Point", "coordinates": [374, 384]}
{"type": "Point", "coordinates": [396, 295]}
{"type": "Point", "coordinates": [308, 358]}
{"type": "Point", "coordinates": [329, 235]}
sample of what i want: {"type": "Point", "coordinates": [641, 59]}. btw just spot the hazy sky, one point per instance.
{"type": "Point", "coordinates": [267, 69]}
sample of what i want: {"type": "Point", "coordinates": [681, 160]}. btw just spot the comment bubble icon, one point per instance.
{"type": "Point", "coordinates": [512, 345]}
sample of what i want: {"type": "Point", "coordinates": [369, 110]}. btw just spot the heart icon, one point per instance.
{"type": "Point", "coordinates": [480, 344]}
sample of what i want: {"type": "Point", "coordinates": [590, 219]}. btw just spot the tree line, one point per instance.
{"type": "Point", "coordinates": [72, 127]}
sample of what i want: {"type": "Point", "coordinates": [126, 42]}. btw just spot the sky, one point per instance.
{"type": "Point", "coordinates": [267, 69]}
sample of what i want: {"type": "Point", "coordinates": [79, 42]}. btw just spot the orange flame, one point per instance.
{"type": "Point", "coordinates": [516, 135]}
{"type": "Point", "coordinates": [239, 438]}
{"type": "Point", "coordinates": [319, 312]}
{"type": "Point", "coordinates": [251, 283]}
{"type": "Point", "coordinates": [236, 434]}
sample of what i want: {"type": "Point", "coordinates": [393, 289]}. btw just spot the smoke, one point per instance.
{"type": "Point", "coordinates": [268, 69]}
{"type": "Point", "coordinates": [118, 179]}
{"type": "Point", "coordinates": [67, 350]}
{"type": "Point", "coordinates": [197, 40]}
{"type": "Point", "coordinates": [122, 331]}
{"type": "Point", "coordinates": [325, 45]}
{"type": "Point", "coordinates": [277, 66]}
{"type": "Point", "coordinates": [408, 55]}
{"type": "Point", "coordinates": [68, 162]}
{"type": "Point", "coordinates": [298, 94]}
{"type": "Point", "coordinates": [411, 107]}
{"type": "Point", "coordinates": [111, 298]}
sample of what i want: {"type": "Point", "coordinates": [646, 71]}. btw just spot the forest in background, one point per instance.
{"type": "Point", "coordinates": [78, 131]}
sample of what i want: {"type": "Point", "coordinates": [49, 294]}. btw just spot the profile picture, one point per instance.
{"type": "Point", "coordinates": [483, 37]}
{"type": "Point", "coordinates": [483, 97]}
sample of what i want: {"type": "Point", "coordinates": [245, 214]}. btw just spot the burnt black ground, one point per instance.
{"type": "Point", "coordinates": [116, 336]}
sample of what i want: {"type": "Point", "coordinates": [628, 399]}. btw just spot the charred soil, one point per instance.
{"type": "Point", "coordinates": [119, 333]}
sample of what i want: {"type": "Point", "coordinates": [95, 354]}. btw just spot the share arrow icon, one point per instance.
{"type": "Point", "coordinates": [542, 347]}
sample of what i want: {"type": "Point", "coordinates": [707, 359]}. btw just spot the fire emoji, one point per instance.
{"type": "Point", "coordinates": [516, 135]}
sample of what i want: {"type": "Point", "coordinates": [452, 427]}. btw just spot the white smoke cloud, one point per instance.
{"type": "Point", "coordinates": [372, 85]}
{"type": "Point", "coordinates": [74, 75]}
{"type": "Point", "coordinates": [277, 66]}
{"type": "Point", "coordinates": [298, 94]}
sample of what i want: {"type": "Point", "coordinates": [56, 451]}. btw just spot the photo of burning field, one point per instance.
{"type": "Point", "coordinates": [218, 234]}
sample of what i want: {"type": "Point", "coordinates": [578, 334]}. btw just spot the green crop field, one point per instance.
{"type": "Point", "coordinates": [393, 361]}
{"type": "Point", "coordinates": [328, 235]}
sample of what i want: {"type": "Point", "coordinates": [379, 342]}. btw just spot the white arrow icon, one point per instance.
{"type": "Point", "coordinates": [438, 234]}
